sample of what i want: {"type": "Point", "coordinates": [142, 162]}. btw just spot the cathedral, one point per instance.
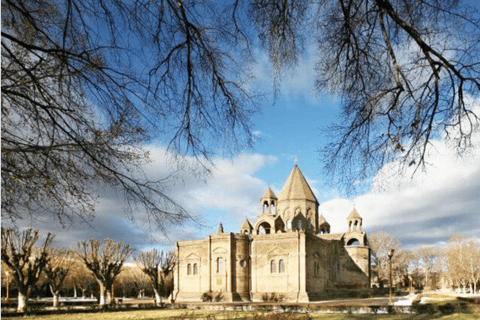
{"type": "Point", "coordinates": [287, 254]}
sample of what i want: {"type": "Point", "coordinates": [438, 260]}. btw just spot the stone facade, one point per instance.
{"type": "Point", "coordinates": [288, 254]}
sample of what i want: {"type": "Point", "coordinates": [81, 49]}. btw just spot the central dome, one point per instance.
{"type": "Point", "coordinates": [296, 187]}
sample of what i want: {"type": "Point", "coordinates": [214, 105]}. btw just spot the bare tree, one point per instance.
{"type": "Point", "coordinates": [380, 243]}
{"type": "Point", "coordinates": [80, 278]}
{"type": "Point", "coordinates": [473, 264]}
{"type": "Point", "coordinates": [87, 84]}
{"type": "Point", "coordinates": [133, 281]}
{"type": "Point", "coordinates": [24, 259]}
{"type": "Point", "coordinates": [457, 256]}
{"type": "Point", "coordinates": [57, 269]}
{"type": "Point", "coordinates": [157, 265]}
{"type": "Point", "coordinates": [428, 257]}
{"type": "Point", "coordinates": [105, 261]}
{"type": "Point", "coordinates": [406, 72]}
{"type": "Point", "coordinates": [405, 266]}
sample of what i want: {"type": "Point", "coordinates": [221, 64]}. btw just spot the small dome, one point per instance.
{"type": "Point", "coordinates": [269, 194]}
{"type": "Point", "coordinates": [354, 215]}
{"type": "Point", "coordinates": [322, 221]}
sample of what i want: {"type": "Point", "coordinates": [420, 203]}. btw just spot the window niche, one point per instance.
{"type": "Point", "coordinates": [273, 266]}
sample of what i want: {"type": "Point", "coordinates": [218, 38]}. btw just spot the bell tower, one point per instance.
{"type": "Point", "coordinates": [354, 222]}
{"type": "Point", "coordinates": [269, 202]}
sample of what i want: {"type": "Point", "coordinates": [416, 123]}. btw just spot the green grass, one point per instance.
{"type": "Point", "coordinates": [212, 315]}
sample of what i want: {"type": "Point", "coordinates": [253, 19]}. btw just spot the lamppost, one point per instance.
{"type": "Point", "coordinates": [390, 255]}
{"type": "Point", "coordinates": [7, 298]}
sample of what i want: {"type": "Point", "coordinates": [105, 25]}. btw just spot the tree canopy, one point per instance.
{"type": "Point", "coordinates": [406, 72]}
{"type": "Point", "coordinates": [87, 84]}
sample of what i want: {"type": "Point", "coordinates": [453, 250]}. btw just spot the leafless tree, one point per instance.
{"type": "Point", "coordinates": [406, 73]}
{"type": "Point", "coordinates": [86, 84]}
{"type": "Point", "coordinates": [405, 266]}
{"type": "Point", "coordinates": [132, 280]}
{"type": "Point", "coordinates": [457, 256]}
{"type": "Point", "coordinates": [80, 278]}
{"type": "Point", "coordinates": [105, 261]}
{"type": "Point", "coordinates": [380, 243]}
{"type": "Point", "coordinates": [428, 257]}
{"type": "Point", "coordinates": [25, 260]}
{"type": "Point", "coordinates": [57, 269]}
{"type": "Point", "coordinates": [473, 263]}
{"type": "Point", "coordinates": [157, 265]}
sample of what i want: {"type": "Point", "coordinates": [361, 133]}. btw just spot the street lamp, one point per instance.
{"type": "Point", "coordinates": [7, 298]}
{"type": "Point", "coordinates": [390, 255]}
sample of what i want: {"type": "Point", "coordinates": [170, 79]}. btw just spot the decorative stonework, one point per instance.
{"type": "Point", "coordinates": [287, 254]}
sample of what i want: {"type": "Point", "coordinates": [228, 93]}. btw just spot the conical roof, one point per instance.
{"type": "Point", "coordinates": [246, 225]}
{"type": "Point", "coordinates": [354, 215]}
{"type": "Point", "coordinates": [296, 187]}
{"type": "Point", "coordinates": [322, 220]}
{"type": "Point", "coordinates": [269, 194]}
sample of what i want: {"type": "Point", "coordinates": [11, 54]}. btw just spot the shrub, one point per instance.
{"type": "Point", "coordinates": [207, 297]}
{"type": "Point", "coordinates": [447, 308]}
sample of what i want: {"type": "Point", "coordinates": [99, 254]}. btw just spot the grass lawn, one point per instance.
{"type": "Point", "coordinates": [220, 315]}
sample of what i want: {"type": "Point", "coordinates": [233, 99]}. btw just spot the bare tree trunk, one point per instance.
{"type": "Point", "coordinates": [84, 290]}
{"type": "Point", "coordinates": [55, 300]}
{"type": "Point", "coordinates": [22, 301]}
{"type": "Point", "coordinates": [102, 293]}
{"type": "Point", "coordinates": [55, 294]}
{"type": "Point", "coordinates": [158, 297]}
{"type": "Point", "coordinates": [109, 296]}
{"type": "Point", "coordinates": [74, 290]}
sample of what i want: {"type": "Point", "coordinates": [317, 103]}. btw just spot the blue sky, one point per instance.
{"type": "Point", "coordinates": [426, 209]}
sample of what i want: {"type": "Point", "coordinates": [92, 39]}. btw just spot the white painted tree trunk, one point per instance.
{"type": "Point", "coordinates": [56, 300]}
{"type": "Point", "coordinates": [22, 302]}
{"type": "Point", "coordinates": [102, 294]}
{"type": "Point", "coordinates": [158, 298]}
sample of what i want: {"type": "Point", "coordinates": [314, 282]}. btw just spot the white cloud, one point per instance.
{"type": "Point", "coordinates": [231, 188]}
{"type": "Point", "coordinates": [427, 208]}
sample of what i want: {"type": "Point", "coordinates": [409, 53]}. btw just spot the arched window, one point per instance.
{"type": "Point", "coordinates": [288, 224]}
{"type": "Point", "coordinates": [281, 266]}
{"type": "Point", "coordinates": [273, 266]}
{"type": "Point", "coordinates": [264, 228]}
{"type": "Point", "coordinates": [195, 269]}
{"type": "Point", "coordinates": [353, 242]}
{"type": "Point", "coordinates": [189, 269]}
{"type": "Point", "coordinates": [299, 224]}
{"type": "Point", "coordinates": [219, 264]}
{"type": "Point", "coordinates": [246, 232]}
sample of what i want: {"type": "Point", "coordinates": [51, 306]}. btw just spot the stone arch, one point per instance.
{"type": "Point", "coordinates": [265, 206]}
{"type": "Point", "coordinates": [279, 225]}
{"type": "Point", "coordinates": [353, 242]}
{"type": "Point", "coordinates": [299, 222]}
{"type": "Point", "coordinates": [264, 228]}
{"type": "Point", "coordinates": [288, 225]}
{"type": "Point", "coordinates": [298, 211]}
